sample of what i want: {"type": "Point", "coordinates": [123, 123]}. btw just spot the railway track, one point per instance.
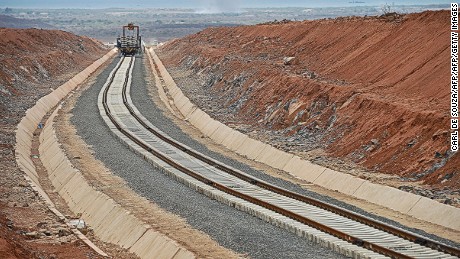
{"type": "Point", "coordinates": [363, 236]}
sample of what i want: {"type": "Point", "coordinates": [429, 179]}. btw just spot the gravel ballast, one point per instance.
{"type": "Point", "coordinates": [231, 228]}
{"type": "Point", "coordinates": [190, 82]}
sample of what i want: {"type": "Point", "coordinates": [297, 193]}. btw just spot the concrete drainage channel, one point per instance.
{"type": "Point", "coordinates": [140, 240]}
{"type": "Point", "coordinates": [312, 235]}
{"type": "Point", "coordinates": [110, 222]}
{"type": "Point", "coordinates": [407, 203]}
{"type": "Point", "coordinates": [116, 113]}
{"type": "Point", "coordinates": [27, 126]}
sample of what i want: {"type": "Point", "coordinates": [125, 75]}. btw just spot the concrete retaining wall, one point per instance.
{"type": "Point", "coordinates": [110, 222]}
{"type": "Point", "coordinates": [404, 202]}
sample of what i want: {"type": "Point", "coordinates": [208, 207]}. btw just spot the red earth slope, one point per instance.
{"type": "Point", "coordinates": [375, 89]}
{"type": "Point", "coordinates": [32, 62]}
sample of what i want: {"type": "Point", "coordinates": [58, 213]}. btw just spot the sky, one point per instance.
{"type": "Point", "coordinates": [216, 5]}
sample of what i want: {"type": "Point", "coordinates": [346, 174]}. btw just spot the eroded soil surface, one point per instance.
{"type": "Point", "coordinates": [32, 63]}
{"type": "Point", "coordinates": [367, 95]}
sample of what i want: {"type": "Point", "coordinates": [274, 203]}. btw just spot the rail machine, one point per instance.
{"type": "Point", "coordinates": [130, 42]}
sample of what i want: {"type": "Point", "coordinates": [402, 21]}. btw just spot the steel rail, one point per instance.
{"type": "Point", "coordinates": [315, 202]}
{"type": "Point", "coordinates": [344, 236]}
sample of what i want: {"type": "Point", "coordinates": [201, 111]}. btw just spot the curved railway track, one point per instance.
{"type": "Point", "coordinates": [357, 230]}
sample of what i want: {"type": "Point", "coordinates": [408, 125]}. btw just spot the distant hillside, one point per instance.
{"type": "Point", "coordinates": [11, 22]}
{"type": "Point", "coordinates": [220, 5]}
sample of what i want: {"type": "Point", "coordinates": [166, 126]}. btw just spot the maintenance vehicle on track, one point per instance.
{"type": "Point", "coordinates": [130, 43]}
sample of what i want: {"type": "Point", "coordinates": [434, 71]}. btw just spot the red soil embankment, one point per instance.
{"type": "Point", "coordinates": [33, 61]}
{"type": "Point", "coordinates": [31, 56]}
{"type": "Point", "coordinates": [375, 89]}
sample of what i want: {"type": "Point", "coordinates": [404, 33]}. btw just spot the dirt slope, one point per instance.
{"type": "Point", "coordinates": [32, 62]}
{"type": "Point", "coordinates": [371, 90]}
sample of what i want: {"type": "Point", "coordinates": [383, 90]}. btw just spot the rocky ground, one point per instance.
{"type": "Point", "coordinates": [32, 63]}
{"type": "Point", "coordinates": [365, 95]}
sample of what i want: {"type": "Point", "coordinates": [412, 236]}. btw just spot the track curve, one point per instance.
{"type": "Point", "coordinates": [338, 222]}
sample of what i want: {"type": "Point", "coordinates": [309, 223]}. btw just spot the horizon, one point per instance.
{"type": "Point", "coordinates": [205, 5]}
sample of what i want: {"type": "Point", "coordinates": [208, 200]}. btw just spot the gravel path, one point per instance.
{"type": "Point", "coordinates": [231, 228]}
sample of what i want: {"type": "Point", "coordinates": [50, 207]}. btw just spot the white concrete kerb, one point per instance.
{"type": "Point", "coordinates": [29, 122]}
{"type": "Point", "coordinates": [404, 202]}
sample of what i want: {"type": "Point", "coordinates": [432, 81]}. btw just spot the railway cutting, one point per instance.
{"type": "Point", "coordinates": [351, 234]}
